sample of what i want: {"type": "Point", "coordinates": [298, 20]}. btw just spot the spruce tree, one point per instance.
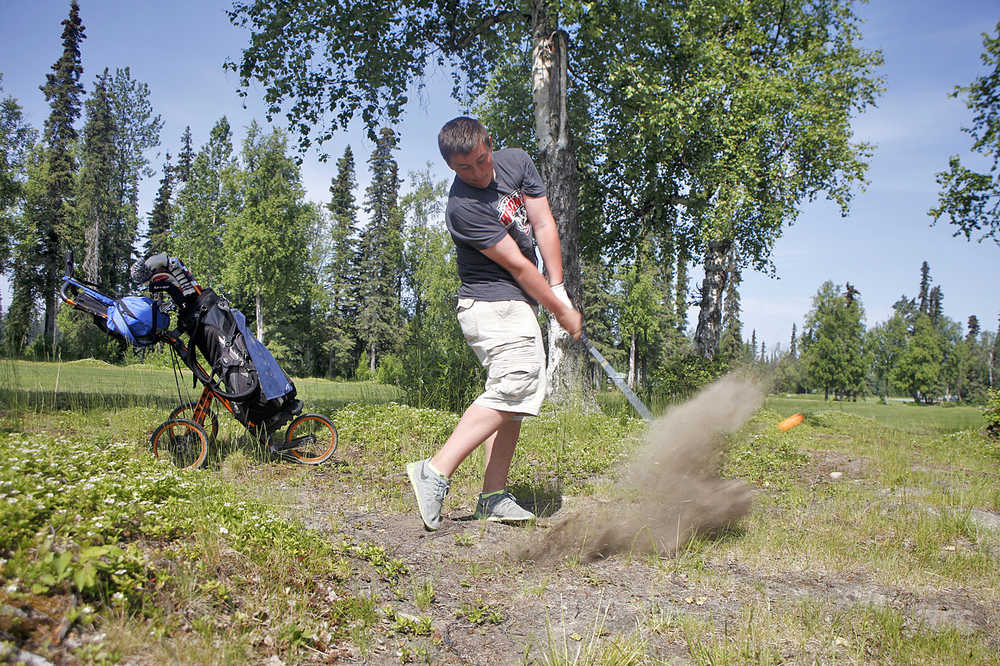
{"type": "Point", "coordinates": [380, 315]}
{"type": "Point", "coordinates": [342, 271]}
{"type": "Point", "coordinates": [185, 158]}
{"type": "Point", "coordinates": [137, 129]}
{"type": "Point", "coordinates": [935, 305]}
{"type": "Point", "coordinates": [96, 204]}
{"type": "Point", "coordinates": [793, 347]}
{"type": "Point", "coordinates": [925, 285]}
{"type": "Point", "coordinates": [994, 358]}
{"type": "Point", "coordinates": [973, 326]}
{"type": "Point", "coordinates": [833, 345]}
{"type": "Point", "coordinates": [160, 218]}
{"type": "Point", "coordinates": [55, 231]}
{"type": "Point", "coordinates": [205, 205]}
{"type": "Point", "coordinates": [25, 285]}
{"type": "Point", "coordinates": [266, 245]}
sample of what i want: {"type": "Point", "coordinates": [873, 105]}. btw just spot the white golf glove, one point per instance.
{"type": "Point", "coordinates": [560, 291]}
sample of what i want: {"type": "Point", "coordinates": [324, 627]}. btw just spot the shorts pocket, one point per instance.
{"type": "Point", "coordinates": [516, 369]}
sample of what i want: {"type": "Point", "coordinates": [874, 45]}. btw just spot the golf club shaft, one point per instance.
{"type": "Point", "coordinates": [610, 372]}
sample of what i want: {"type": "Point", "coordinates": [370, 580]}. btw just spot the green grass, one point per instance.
{"type": "Point", "coordinates": [907, 416]}
{"type": "Point", "coordinates": [41, 386]}
{"type": "Point", "coordinates": [206, 567]}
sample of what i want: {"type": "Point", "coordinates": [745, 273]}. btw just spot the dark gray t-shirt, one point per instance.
{"type": "Point", "coordinates": [478, 218]}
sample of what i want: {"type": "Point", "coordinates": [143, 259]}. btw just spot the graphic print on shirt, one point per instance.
{"type": "Point", "coordinates": [511, 209]}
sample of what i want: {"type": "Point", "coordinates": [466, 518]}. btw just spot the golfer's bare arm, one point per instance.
{"type": "Point", "coordinates": [508, 254]}
{"type": "Point", "coordinates": [543, 224]}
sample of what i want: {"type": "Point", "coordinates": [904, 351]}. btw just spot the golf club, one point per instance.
{"type": "Point", "coordinates": [616, 378]}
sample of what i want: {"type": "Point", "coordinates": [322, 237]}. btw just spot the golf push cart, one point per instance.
{"type": "Point", "coordinates": [243, 376]}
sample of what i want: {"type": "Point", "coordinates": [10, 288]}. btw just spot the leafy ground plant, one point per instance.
{"type": "Point", "coordinates": [866, 543]}
{"type": "Point", "coordinates": [114, 531]}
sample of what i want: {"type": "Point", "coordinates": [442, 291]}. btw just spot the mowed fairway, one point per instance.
{"type": "Point", "coordinates": [905, 415]}
{"type": "Point", "coordinates": [89, 383]}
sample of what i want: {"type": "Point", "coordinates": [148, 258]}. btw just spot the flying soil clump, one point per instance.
{"type": "Point", "coordinates": [672, 489]}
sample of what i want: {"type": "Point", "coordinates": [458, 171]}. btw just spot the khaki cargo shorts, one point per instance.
{"type": "Point", "coordinates": [508, 342]}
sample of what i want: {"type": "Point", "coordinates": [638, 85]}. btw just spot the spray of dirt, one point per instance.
{"type": "Point", "coordinates": [672, 489]}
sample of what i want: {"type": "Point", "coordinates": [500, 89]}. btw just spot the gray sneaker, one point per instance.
{"type": "Point", "coordinates": [501, 508]}
{"type": "Point", "coordinates": [430, 489]}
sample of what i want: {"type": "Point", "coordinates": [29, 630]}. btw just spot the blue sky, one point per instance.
{"type": "Point", "coordinates": [178, 48]}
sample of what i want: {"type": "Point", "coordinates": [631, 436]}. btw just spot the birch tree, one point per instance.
{"type": "Point", "coordinates": [324, 64]}
{"type": "Point", "coordinates": [970, 199]}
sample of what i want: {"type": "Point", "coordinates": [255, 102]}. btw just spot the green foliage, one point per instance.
{"type": "Point", "coordinates": [918, 365]}
{"type": "Point", "coordinates": [781, 127]}
{"type": "Point", "coordinates": [16, 141]}
{"type": "Point", "coordinates": [307, 73]}
{"type": "Point", "coordinates": [388, 434]}
{"type": "Point", "coordinates": [161, 217]}
{"type": "Point", "coordinates": [970, 199]}
{"type": "Point", "coordinates": [340, 273]}
{"type": "Point", "coordinates": [833, 345]}
{"type": "Point", "coordinates": [136, 131]}
{"type": "Point", "coordinates": [679, 377]}
{"type": "Point", "coordinates": [94, 517]}
{"type": "Point", "coordinates": [204, 207]}
{"type": "Point", "coordinates": [380, 259]}
{"type": "Point", "coordinates": [96, 188]}
{"type": "Point", "coordinates": [435, 365]}
{"type": "Point", "coordinates": [571, 447]}
{"type": "Point", "coordinates": [266, 243]}
{"type": "Point", "coordinates": [992, 413]}
{"type": "Point", "coordinates": [81, 338]}
{"type": "Point", "coordinates": [363, 371]}
{"type": "Point", "coordinates": [376, 555]}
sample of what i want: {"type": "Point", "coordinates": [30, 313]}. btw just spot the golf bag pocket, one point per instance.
{"type": "Point", "coordinates": [136, 319]}
{"type": "Point", "coordinates": [214, 332]}
{"type": "Point", "coordinates": [263, 394]}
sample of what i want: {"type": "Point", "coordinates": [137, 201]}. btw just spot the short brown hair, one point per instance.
{"type": "Point", "coordinates": [461, 135]}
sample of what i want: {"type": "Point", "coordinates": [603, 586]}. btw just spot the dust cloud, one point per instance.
{"type": "Point", "coordinates": [672, 489]}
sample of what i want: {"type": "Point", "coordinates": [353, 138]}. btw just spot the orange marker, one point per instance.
{"type": "Point", "coordinates": [790, 422]}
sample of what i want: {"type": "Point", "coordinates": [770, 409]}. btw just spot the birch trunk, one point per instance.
{"type": "Point", "coordinates": [259, 303]}
{"type": "Point", "coordinates": [566, 359]}
{"type": "Point", "coordinates": [706, 337]}
{"type": "Point", "coordinates": [631, 364]}
{"type": "Point", "coordinates": [92, 258]}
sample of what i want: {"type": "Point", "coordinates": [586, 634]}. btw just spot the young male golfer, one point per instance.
{"type": "Point", "coordinates": [496, 203]}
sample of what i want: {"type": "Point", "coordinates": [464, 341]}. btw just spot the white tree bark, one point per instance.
{"type": "Point", "coordinates": [259, 303]}
{"type": "Point", "coordinates": [706, 337]}
{"type": "Point", "coordinates": [566, 359]}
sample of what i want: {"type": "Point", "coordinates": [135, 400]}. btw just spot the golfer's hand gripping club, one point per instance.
{"type": "Point", "coordinates": [570, 319]}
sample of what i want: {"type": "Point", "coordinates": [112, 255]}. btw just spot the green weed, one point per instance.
{"type": "Point", "coordinates": [480, 612]}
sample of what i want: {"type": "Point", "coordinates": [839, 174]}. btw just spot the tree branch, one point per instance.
{"type": "Point", "coordinates": [486, 24]}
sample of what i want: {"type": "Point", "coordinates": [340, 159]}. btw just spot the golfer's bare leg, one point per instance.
{"type": "Point", "coordinates": [476, 425]}
{"type": "Point", "coordinates": [499, 450]}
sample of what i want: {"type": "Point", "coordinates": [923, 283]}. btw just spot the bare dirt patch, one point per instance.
{"type": "Point", "coordinates": [842, 466]}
